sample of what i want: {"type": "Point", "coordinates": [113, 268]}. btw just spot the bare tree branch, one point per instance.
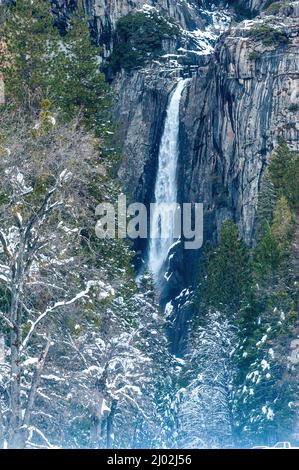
{"type": "Point", "coordinates": [8, 322]}
{"type": "Point", "coordinates": [35, 383]}
{"type": "Point", "coordinates": [62, 303]}
{"type": "Point", "coordinates": [5, 245]}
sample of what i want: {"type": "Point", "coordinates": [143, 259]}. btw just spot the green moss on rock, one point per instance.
{"type": "Point", "coordinates": [268, 35]}
{"type": "Point", "coordinates": [254, 55]}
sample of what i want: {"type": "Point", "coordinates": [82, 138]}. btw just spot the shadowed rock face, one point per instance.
{"type": "Point", "coordinates": [104, 14]}
{"type": "Point", "coordinates": [187, 13]}
{"type": "Point", "coordinates": [141, 104]}
{"type": "Point", "coordinates": [233, 113]}
{"type": "Point", "coordinates": [190, 15]}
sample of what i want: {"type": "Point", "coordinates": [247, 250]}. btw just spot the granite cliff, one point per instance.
{"type": "Point", "coordinates": [242, 61]}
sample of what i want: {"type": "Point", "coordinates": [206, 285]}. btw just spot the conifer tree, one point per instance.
{"type": "Point", "coordinates": [278, 167]}
{"type": "Point", "coordinates": [228, 276]}
{"type": "Point", "coordinates": [45, 65]}
{"type": "Point", "coordinates": [282, 224]}
{"type": "Point", "coordinates": [266, 205]}
{"type": "Point", "coordinates": [266, 380]}
{"type": "Point", "coordinates": [78, 85]}
{"type": "Point", "coordinates": [33, 43]}
{"type": "Point", "coordinates": [292, 186]}
{"type": "Point", "coordinates": [272, 250]}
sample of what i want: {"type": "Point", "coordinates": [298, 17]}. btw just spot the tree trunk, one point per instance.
{"type": "Point", "coordinates": [15, 436]}
{"type": "Point", "coordinates": [96, 421]}
{"type": "Point", "coordinates": [110, 422]}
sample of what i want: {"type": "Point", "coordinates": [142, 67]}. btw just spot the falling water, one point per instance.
{"type": "Point", "coordinates": [166, 183]}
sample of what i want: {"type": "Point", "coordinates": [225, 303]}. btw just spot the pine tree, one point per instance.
{"type": "Point", "coordinates": [266, 205]}
{"type": "Point", "coordinates": [227, 279]}
{"type": "Point", "coordinates": [284, 172]}
{"type": "Point", "coordinates": [266, 380]}
{"type": "Point", "coordinates": [44, 65]}
{"type": "Point", "coordinates": [78, 85]}
{"type": "Point", "coordinates": [282, 224]}
{"type": "Point", "coordinates": [202, 274]}
{"type": "Point", "coordinates": [272, 250]}
{"type": "Point", "coordinates": [292, 186]}
{"type": "Point", "coordinates": [278, 167]}
{"type": "Point", "coordinates": [267, 258]}
{"type": "Point", "coordinates": [32, 43]}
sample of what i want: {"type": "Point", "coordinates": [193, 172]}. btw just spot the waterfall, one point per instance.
{"type": "Point", "coordinates": [166, 184]}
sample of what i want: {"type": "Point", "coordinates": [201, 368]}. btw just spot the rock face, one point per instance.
{"type": "Point", "coordinates": [238, 104]}
{"type": "Point", "coordinates": [235, 109]}
{"type": "Point", "coordinates": [106, 13]}
{"type": "Point", "coordinates": [255, 5]}
{"type": "Point", "coordinates": [242, 97]}
{"type": "Point", "coordinates": [233, 116]}
{"type": "Point", "coordinates": [141, 104]}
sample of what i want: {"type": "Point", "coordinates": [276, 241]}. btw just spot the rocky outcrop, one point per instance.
{"type": "Point", "coordinates": [255, 5]}
{"type": "Point", "coordinates": [191, 15]}
{"type": "Point", "coordinates": [252, 6]}
{"type": "Point", "coordinates": [62, 11]}
{"type": "Point", "coordinates": [105, 15]}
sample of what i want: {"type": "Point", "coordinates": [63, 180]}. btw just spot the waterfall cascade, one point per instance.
{"type": "Point", "coordinates": [166, 184]}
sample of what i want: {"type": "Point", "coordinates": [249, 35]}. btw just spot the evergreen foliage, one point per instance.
{"type": "Point", "coordinates": [267, 380]}
{"type": "Point", "coordinates": [227, 278]}
{"type": "Point", "coordinates": [32, 43]}
{"type": "Point", "coordinates": [269, 36]}
{"type": "Point", "coordinates": [139, 38]}
{"type": "Point", "coordinates": [87, 361]}
{"type": "Point", "coordinates": [266, 205]}
{"type": "Point", "coordinates": [255, 291]}
{"type": "Point", "coordinates": [279, 166]}
{"type": "Point", "coordinates": [78, 85]}
{"type": "Point", "coordinates": [44, 65]}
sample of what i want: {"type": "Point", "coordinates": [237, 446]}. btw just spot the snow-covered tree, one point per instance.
{"type": "Point", "coordinates": [40, 239]}
{"type": "Point", "coordinates": [267, 380]}
{"type": "Point", "coordinates": [206, 403]}
{"type": "Point", "coordinates": [268, 390]}
{"type": "Point", "coordinates": [110, 382]}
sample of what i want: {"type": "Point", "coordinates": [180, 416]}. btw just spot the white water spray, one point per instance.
{"type": "Point", "coordinates": [166, 183]}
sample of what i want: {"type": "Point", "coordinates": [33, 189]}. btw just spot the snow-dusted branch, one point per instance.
{"type": "Point", "coordinates": [35, 383]}
{"type": "Point", "coordinates": [8, 322]}
{"type": "Point", "coordinates": [5, 245]}
{"type": "Point", "coordinates": [44, 209]}
{"type": "Point", "coordinates": [61, 303]}
{"type": "Point", "coordinates": [33, 429]}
